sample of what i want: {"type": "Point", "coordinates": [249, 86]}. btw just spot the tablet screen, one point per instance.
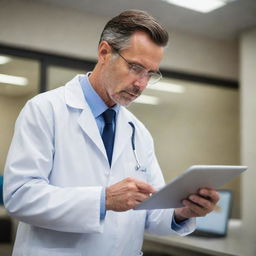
{"type": "Point", "coordinates": [216, 222]}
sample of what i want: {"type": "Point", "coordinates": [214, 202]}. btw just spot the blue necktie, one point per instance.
{"type": "Point", "coordinates": [108, 134]}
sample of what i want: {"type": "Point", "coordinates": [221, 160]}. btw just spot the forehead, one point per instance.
{"type": "Point", "coordinates": [144, 51]}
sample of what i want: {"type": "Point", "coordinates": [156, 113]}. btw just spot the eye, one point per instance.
{"type": "Point", "coordinates": [136, 68]}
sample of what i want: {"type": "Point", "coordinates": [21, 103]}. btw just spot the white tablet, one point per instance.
{"type": "Point", "coordinates": [197, 176]}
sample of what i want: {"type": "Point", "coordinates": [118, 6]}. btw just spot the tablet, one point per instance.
{"type": "Point", "coordinates": [197, 176]}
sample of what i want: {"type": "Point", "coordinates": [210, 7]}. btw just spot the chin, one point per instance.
{"type": "Point", "coordinates": [127, 104]}
{"type": "Point", "coordinates": [122, 101]}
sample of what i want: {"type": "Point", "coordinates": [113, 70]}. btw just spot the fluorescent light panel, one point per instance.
{"type": "Point", "coordinates": [203, 6]}
{"type": "Point", "coordinates": [146, 99]}
{"type": "Point", "coordinates": [4, 60]}
{"type": "Point", "coordinates": [167, 87]}
{"type": "Point", "coordinates": [15, 80]}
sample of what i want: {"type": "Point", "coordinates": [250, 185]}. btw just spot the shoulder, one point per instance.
{"type": "Point", "coordinates": [45, 104]}
{"type": "Point", "coordinates": [51, 97]}
{"type": "Point", "coordinates": [70, 94]}
{"type": "Point", "coordinates": [40, 109]}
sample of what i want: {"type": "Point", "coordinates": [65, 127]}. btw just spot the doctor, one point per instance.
{"type": "Point", "coordinates": [79, 161]}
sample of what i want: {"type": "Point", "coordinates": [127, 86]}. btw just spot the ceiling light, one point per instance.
{"type": "Point", "coordinates": [15, 80]}
{"type": "Point", "coordinates": [145, 99]}
{"type": "Point", "coordinates": [203, 6]}
{"type": "Point", "coordinates": [167, 87]}
{"type": "Point", "coordinates": [4, 60]}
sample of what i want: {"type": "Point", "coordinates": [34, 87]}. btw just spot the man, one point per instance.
{"type": "Point", "coordinates": [72, 178]}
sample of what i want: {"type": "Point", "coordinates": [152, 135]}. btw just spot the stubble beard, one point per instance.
{"type": "Point", "coordinates": [126, 97]}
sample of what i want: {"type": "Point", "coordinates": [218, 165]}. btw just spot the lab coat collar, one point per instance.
{"type": "Point", "coordinates": [74, 98]}
{"type": "Point", "coordinates": [74, 94]}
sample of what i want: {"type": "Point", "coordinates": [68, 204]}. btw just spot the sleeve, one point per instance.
{"type": "Point", "coordinates": [176, 226]}
{"type": "Point", "coordinates": [160, 222]}
{"type": "Point", "coordinates": [28, 195]}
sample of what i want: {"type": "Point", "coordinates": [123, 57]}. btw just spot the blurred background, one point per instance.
{"type": "Point", "coordinates": [201, 112]}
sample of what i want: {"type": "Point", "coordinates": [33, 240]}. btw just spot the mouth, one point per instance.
{"type": "Point", "coordinates": [125, 97]}
{"type": "Point", "coordinates": [133, 95]}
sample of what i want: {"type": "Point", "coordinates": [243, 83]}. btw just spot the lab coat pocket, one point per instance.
{"type": "Point", "coordinates": [137, 173]}
{"type": "Point", "coordinates": [135, 166]}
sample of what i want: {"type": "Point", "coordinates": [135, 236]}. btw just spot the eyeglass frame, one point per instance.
{"type": "Point", "coordinates": [142, 71]}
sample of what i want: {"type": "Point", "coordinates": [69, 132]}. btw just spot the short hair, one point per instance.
{"type": "Point", "coordinates": [118, 31]}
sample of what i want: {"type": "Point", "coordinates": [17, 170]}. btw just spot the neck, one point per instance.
{"type": "Point", "coordinates": [97, 83]}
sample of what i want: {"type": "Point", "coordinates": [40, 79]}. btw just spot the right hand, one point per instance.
{"type": "Point", "coordinates": [126, 194]}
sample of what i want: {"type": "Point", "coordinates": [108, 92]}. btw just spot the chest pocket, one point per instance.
{"type": "Point", "coordinates": [136, 166]}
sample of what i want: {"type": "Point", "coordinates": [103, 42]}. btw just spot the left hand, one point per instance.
{"type": "Point", "coordinates": [197, 205]}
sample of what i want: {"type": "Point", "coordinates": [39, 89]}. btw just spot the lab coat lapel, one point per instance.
{"type": "Point", "coordinates": [74, 98]}
{"type": "Point", "coordinates": [123, 134]}
{"type": "Point", "coordinates": [88, 124]}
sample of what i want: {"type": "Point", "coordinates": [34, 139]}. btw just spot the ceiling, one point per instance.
{"type": "Point", "coordinates": [223, 23]}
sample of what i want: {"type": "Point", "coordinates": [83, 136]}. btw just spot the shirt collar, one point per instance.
{"type": "Point", "coordinates": [95, 102]}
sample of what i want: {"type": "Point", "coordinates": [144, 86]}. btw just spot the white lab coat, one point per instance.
{"type": "Point", "coordinates": [56, 169]}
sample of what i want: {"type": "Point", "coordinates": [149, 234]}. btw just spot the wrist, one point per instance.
{"type": "Point", "coordinates": [178, 217]}
{"type": "Point", "coordinates": [107, 204]}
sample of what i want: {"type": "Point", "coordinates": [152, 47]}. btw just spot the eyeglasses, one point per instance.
{"type": "Point", "coordinates": [140, 72]}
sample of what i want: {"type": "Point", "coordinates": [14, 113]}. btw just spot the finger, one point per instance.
{"type": "Point", "coordinates": [145, 187]}
{"type": "Point", "coordinates": [212, 194]}
{"type": "Point", "coordinates": [194, 208]}
{"type": "Point", "coordinates": [201, 202]}
{"type": "Point", "coordinates": [141, 197]}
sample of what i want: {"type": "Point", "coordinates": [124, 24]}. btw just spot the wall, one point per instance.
{"type": "Point", "coordinates": [248, 128]}
{"type": "Point", "coordinates": [72, 32]}
{"type": "Point", "coordinates": [49, 28]}
{"type": "Point", "coordinates": [75, 33]}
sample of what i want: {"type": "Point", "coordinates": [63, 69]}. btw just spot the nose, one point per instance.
{"type": "Point", "coordinates": [141, 82]}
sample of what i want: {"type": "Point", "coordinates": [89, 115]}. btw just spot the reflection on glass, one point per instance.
{"type": "Point", "coordinates": [18, 76]}
{"type": "Point", "coordinates": [13, 80]}
{"type": "Point", "coordinates": [167, 86]}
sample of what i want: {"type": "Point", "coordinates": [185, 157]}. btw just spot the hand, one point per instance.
{"type": "Point", "coordinates": [126, 194]}
{"type": "Point", "coordinates": [197, 205]}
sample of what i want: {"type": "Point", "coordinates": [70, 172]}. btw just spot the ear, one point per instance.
{"type": "Point", "coordinates": [104, 51]}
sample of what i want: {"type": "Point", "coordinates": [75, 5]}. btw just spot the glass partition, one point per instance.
{"type": "Point", "coordinates": [59, 76]}
{"type": "Point", "coordinates": [19, 81]}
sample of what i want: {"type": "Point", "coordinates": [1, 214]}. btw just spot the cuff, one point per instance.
{"type": "Point", "coordinates": [103, 204]}
{"type": "Point", "coordinates": [175, 226]}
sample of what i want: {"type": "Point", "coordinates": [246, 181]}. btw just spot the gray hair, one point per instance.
{"type": "Point", "coordinates": [118, 31]}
